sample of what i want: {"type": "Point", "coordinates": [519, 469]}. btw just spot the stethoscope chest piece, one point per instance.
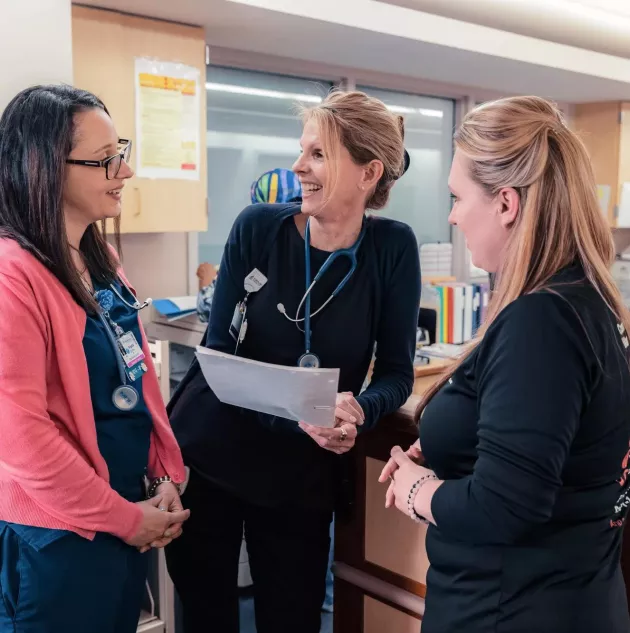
{"type": "Point", "coordinates": [125, 397]}
{"type": "Point", "coordinates": [309, 360]}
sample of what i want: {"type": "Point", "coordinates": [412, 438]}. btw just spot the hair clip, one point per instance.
{"type": "Point", "coordinates": [406, 163]}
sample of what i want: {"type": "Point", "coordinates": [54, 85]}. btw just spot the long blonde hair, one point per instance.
{"type": "Point", "coordinates": [524, 143]}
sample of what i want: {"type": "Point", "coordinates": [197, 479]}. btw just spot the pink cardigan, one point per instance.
{"type": "Point", "coordinates": [51, 471]}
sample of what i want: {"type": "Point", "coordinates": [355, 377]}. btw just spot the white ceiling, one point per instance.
{"type": "Point", "coordinates": [618, 7]}
{"type": "Point", "coordinates": [233, 24]}
{"type": "Point", "coordinates": [586, 24]}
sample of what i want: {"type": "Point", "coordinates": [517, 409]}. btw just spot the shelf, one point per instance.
{"type": "Point", "coordinates": [174, 334]}
{"type": "Point", "coordinates": [146, 617]}
{"type": "Point", "coordinates": [177, 376]}
{"type": "Point", "coordinates": [155, 626]}
{"type": "Point", "coordinates": [150, 624]}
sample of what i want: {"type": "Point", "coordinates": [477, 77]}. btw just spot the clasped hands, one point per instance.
{"type": "Point", "coordinates": [341, 438]}
{"type": "Point", "coordinates": [403, 470]}
{"type": "Point", "coordinates": [162, 518]}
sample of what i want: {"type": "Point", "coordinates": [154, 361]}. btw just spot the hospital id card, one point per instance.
{"type": "Point", "coordinates": [130, 350]}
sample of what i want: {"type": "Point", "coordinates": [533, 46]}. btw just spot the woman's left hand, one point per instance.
{"type": "Point", "coordinates": [339, 439]}
{"type": "Point", "coordinates": [402, 479]}
{"type": "Point", "coordinates": [170, 503]}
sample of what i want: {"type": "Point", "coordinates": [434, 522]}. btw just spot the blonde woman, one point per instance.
{"type": "Point", "coordinates": [524, 444]}
{"type": "Point", "coordinates": [278, 479]}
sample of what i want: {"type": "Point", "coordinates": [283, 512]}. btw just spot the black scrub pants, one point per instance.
{"type": "Point", "coordinates": [288, 557]}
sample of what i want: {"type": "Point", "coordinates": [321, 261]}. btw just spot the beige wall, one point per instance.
{"type": "Point", "coordinates": [156, 264]}
{"type": "Point", "coordinates": [35, 45]}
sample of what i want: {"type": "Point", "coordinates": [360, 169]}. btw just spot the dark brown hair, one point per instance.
{"type": "Point", "coordinates": [37, 131]}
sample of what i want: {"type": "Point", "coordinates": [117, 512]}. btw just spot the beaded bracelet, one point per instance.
{"type": "Point", "coordinates": [160, 480]}
{"type": "Point", "coordinates": [412, 497]}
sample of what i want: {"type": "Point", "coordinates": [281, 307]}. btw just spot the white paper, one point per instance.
{"type": "Point", "coordinates": [623, 217]}
{"type": "Point", "coordinates": [296, 393]}
{"type": "Point", "coordinates": [168, 117]}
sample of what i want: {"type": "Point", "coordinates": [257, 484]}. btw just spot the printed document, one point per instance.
{"type": "Point", "coordinates": [296, 393]}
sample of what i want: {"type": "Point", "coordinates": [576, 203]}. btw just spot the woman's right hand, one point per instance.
{"type": "Point", "coordinates": [414, 452]}
{"type": "Point", "coordinates": [206, 273]}
{"type": "Point", "coordinates": [155, 522]}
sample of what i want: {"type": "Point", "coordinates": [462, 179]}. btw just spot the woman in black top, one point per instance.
{"type": "Point", "coordinates": [525, 442]}
{"type": "Point", "coordinates": [276, 478]}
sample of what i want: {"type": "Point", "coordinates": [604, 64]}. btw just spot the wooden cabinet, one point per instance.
{"type": "Point", "coordinates": [605, 130]}
{"type": "Point", "coordinates": [380, 560]}
{"type": "Point", "coordinates": [380, 618]}
{"type": "Point", "coordinates": [105, 45]}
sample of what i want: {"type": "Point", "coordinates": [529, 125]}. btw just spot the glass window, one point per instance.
{"type": "Point", "coordinates": [252, 128]}
{"type": "Point", "coordinates": [421, 198]}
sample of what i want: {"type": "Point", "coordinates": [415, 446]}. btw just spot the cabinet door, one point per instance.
{"type": "Point", "coordinates": [598, 125]}
{"type": "Point", "coordinates": [381, 618]}
{"type": "Point", "coordinates": [105, 45]}
{"type": "Point", "coordinates": [624, 161]}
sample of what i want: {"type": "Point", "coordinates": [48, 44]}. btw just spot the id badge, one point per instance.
{"type": "Point", "coordinates": [130, 350]}
{"type": "Point", "coordinates": [137, 371]}
{"type": "Point", "coordinates": [236, 326]}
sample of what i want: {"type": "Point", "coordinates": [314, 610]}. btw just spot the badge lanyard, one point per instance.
{"type": "Point", "coordinates": [238, 327]}
{"type": "Point", "coordinates": [309, 359]}
{"type": "Point", "coordinates": [129, 355]}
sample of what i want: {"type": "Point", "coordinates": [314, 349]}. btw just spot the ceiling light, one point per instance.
{"type": "Point", "coordinates": [258, 92]}
{"type": "Point", "coordinates": [400, 109]}
{"type": "Point", "coordinates": [438, 114]}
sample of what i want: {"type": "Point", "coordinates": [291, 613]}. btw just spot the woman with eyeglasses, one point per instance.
{"type": "Point", "coordinates": [82, 424]}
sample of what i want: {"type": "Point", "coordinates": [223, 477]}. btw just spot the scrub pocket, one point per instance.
{"type": "Point", "coordinates": [14, 537]}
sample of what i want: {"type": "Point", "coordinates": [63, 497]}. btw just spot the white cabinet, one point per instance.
{"type": "Point", "coordinates": [158, 616]}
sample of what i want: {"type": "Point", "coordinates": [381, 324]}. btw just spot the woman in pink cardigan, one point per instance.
{"type": "Point", "coordinates": [82, 423]}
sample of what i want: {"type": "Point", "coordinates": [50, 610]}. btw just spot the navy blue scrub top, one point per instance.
{"type": "Point", "coordinates": [123, 437]}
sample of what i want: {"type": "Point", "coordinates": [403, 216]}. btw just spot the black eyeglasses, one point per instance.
{"type": "Point", "coordinates": [112, 163]}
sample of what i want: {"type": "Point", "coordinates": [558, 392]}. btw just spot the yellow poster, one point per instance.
{"type": "Point", "coordinates": [168, 117]}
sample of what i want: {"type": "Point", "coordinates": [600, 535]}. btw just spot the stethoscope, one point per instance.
{"type": "Point", "coordinates": [125, 397]}
{"type": "Point", "coordinates": [309, 359]}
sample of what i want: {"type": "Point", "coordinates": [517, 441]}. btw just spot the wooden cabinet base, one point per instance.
{"type": "Point", "coordinates": [380, 566]}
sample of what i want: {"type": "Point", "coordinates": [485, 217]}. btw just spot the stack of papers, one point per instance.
{"type": "Point", "coordinates": [296, 393]}
{"type": "Point", "coordinates": [442, 350]}
{"type": "Point", "coordinates": [174, 308]}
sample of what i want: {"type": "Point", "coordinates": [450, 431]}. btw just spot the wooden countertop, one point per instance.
{"type": "Point", "coordinates": [426, 375]}
{"type": "Point", "coordinates": [405, 419]}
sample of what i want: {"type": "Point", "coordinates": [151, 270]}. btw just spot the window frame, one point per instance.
{"type": "Point", "coordinates": [347, 79]}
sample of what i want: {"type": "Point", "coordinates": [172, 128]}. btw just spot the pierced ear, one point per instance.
{"type": "Point", "coordinates": [510, 206]}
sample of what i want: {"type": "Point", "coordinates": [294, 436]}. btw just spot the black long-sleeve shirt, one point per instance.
{"type": "Point", "coordinates": [531, 436]}
{"type": "Point", "coordinates": [270, 460]}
